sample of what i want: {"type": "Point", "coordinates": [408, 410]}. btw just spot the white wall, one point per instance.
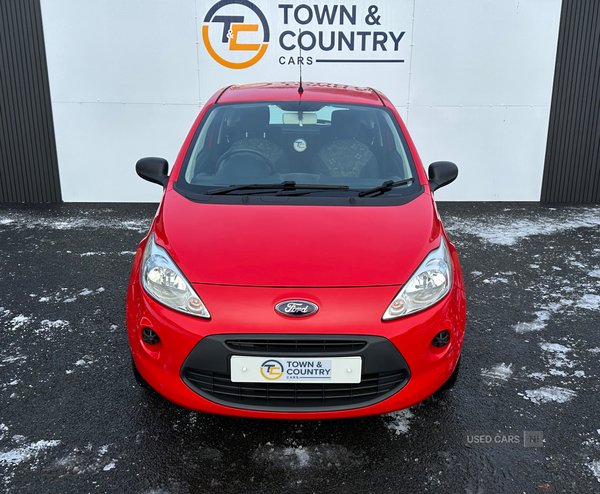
{"type": "Point", "coordinates": [128, 78]}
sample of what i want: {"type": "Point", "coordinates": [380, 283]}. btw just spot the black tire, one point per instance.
{"type": "Point", "coordinates": [139, 379]}
{"type": "Point", "coordinates": [449, 384]}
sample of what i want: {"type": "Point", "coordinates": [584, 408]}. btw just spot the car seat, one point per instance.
{"type": "Point", "coordinates": [345, 155]}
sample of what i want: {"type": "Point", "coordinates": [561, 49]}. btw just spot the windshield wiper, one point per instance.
{"type": "Point", "coordinates": [283, 186]}
{"type": "Point", "coordinates": [385, 187]}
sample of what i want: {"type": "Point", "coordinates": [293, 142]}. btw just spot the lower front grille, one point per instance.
{"type": "Point", "coordinates": [207, 372]}
{"type": "Point", "coordinates": [301, 395]}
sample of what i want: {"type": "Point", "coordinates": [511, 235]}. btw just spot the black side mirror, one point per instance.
{"type": "Point", "coordinates": [442, 173]}
{"type": "Point", "coordinates": [154, 170]}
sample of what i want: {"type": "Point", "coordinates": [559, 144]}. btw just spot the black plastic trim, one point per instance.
{"type": "Point", "coordinates": [210, 358]}
{"type": "Point", "coordinates": [269, 200]}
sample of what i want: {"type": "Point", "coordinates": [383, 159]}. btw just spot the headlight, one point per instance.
{"type": "Point", "coordinates": [163, 281]}
{"type": "Point", "coordinates": [429, 284]}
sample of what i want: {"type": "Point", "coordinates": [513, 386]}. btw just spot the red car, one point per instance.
{"type": "Point", "coordinates": [297, 267]}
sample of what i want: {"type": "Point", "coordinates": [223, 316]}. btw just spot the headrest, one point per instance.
{"type": "Point", "coordinates": [254, 118]}
{"type": "Point", "coordinates": [345, 123]}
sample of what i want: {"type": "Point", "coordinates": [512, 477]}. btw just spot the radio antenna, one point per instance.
{"type": "Point", "coordinates": [300, 88]}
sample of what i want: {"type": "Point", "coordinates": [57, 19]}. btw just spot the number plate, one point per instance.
{"type": "Point", "coordinates": [298, 370]}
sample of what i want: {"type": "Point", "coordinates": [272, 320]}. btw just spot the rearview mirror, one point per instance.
{"type": "Point", "coordinates": [154, 170]}
{"type": "Point", "coordinates": [299, 119]}
{"type": "Point", "coordinates": [442, 173]}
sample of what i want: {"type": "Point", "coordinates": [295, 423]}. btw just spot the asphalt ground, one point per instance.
{"type": "Point", "coordinates": [72, 418]}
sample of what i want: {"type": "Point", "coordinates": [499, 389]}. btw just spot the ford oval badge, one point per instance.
{"type": "Point", "coordinates": [296, 308]}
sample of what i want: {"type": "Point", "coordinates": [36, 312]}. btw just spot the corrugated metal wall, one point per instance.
{"type": "Point", "coordinates": [28, 162]}
{"type": "Point", "coordinates": [572, 165]}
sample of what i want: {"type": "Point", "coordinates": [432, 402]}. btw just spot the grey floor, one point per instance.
{"type": "Point", "coordinates": [73, 420]}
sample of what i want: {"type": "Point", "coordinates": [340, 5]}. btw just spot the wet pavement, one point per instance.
{"type": "Point", "coordinates": [72, 418]}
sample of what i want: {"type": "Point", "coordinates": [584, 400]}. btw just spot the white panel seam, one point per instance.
{"type": "Point", "coordinates": [197, 52]}
{"type": "Point", "coordinates": [412, 44]}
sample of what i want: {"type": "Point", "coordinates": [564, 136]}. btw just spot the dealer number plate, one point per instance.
{"type": "Point", "coordinates": [299, 370]}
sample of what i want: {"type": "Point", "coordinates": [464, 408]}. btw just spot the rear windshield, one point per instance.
{"type": "Point", "coordinates": [358, 146]}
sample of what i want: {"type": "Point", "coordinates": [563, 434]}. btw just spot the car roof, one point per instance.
{"type": "Point", "coordinates": [313, 91]}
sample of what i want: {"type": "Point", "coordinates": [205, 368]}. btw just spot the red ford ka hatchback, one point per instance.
{"type": "Point", "coordinates": [297, 267]}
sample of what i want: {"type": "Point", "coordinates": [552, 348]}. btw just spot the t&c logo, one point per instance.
{"type": "Point", "coordinates": [226, 33]}
{"type": "Point", "coordinates": [271, 370]}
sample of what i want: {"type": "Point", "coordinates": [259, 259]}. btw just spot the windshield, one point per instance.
{"type": "Point", "coordinates": [321, 144]}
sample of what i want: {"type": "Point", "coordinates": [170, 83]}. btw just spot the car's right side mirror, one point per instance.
{"type": "Point", "coordinates": [154, 170]}
{"type": "Point", "coordinates": [442, 173]}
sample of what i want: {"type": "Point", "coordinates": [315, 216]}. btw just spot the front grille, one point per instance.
{"type": "Point", "coordinates": [292, 395]}
{"type": "Point", "coordinates": [292, 347]}
{"type": "Point", "coordinates": [206, 371]}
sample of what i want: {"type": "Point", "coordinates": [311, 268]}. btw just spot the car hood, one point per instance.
{"type": "Point", "coordinates": [297, 246]}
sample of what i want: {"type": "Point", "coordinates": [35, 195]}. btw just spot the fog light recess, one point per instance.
{"type": "Point", "coordinates": [441, 339]}
{"type": "Point", "coordinates": [150, 337]}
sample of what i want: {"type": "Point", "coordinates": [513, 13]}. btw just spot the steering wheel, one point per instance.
{"type": "Point", "coordinates": [233, 152]}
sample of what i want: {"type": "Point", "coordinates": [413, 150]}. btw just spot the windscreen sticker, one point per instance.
{"type": "Point", "coordinates": [300, 145]}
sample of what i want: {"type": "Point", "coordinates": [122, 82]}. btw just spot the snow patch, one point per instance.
{"type": "Point", "coordinates": [549, 394]}
{"type": "Point", "coordinates": [589, 301]}
{"type": "Point", "coordinates": [25, 453]}
{"type": "Point", "coordinates": [18, 322]}
{"type": "Point", "coordinates": [85, 361]}
{"type": "Point", "coordinates": [506, 230]}
{"type": "Point", "coordinates": [595, 468]}
{"type": "Point", "coordinates": [86, 460]}
{"type": "Point", "coordinates": [499, 372]}
{"type": "Point", "coordinates": [12, 359]}
{"type": "Point", "coordinates": [49, 328]}
{"type": "Point", "coordinates": [558, 354]}
{"type": "Point", "coordinates": [495, 279]}
{"type": "Point", "coordinates": [400, 423]}
{"type": "Point", "coordinates": [47, 325]}
{"type": "Point", "coordinates": [556, 372]}
{"type": "Point", "coordinates": [538, 375]}
{"type": "Point", "coordinates": [595, 273]}
{"type": "Point", "coordinates": [537, 324]}
{"type": "Point", "coordinates": [31, 221]}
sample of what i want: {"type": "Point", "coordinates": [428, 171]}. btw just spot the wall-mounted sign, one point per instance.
{"type": "Point", "coordinates": [236, 33]}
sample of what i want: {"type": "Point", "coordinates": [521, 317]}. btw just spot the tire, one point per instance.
{"type": "Point", "coordinates": [449, 384]}
{"type": "Point", "coordinates": [139, 379]}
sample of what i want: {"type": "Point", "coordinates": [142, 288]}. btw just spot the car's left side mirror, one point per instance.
{"type": "Point", "coordinates": [154, 170]}
{"type": "Point", "coordinates": [442, 173]}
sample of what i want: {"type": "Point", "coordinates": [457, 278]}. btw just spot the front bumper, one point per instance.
{"type": "Point", "coordinates": [348, 313]}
